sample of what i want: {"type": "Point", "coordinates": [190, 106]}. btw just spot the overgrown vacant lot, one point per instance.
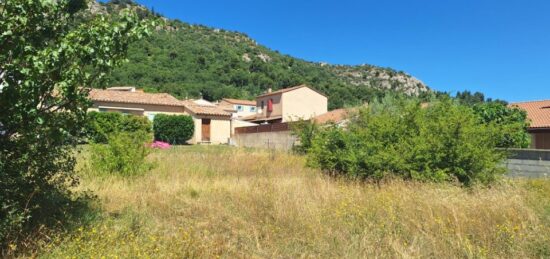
{"type": "Point", "coordinates": [227, 202]}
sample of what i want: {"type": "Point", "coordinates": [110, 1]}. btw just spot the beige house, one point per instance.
{"type": "Point", "coordinates": [239, 108]}
{"type": "Point", "coordinates": [289, 104]}
{"type": "Point", "coordinates": [212, 123]}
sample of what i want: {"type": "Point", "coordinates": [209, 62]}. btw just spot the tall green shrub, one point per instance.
{"type": "Point", "coordinates": [99, 125]}
{"type": "Point", "coordinates": [441, 142]}
{"type": "Point", "coordinates": [511, 121]}
{"type": "Point", "coordinates": [124, 154]}
{"type": "Point", "coordinates": [304, 130]}
{"type": "Point", "coordinates": [174, 129]}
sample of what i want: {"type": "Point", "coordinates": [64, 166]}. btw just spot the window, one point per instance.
{"type": "Point", "coordinates": [252, 108]}
{"type": "Point", "coordinates": [270, 105]}
{"type": "Point", "coordinates": [262, 105]}
{"type": "Point", "coordinates": [239, 108]}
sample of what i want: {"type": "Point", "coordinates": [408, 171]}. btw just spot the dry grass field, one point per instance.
{"type": "Point", "coordinates": [225, 202]}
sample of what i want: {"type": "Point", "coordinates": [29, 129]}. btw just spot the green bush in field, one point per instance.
{"type": "Point", "coordinates": [123, 154]}
{"type": "Point", "coordinates": [100, 125]}
{"type": "Point", "coordinates": [442, 142]}
{"type": "Point", "coordinates": [304, 130]}
{"type": "Point", "coordinates": [174, 129]}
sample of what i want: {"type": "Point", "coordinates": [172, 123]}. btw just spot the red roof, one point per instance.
{"type": "Point", "coordinates": [538, 112]}
{"type": "Point", "coordinates": [155, 99]}
{"type": "Point", "coordinates": [134, 97]}
{"type": "Point", "coordinates": [335, 116]}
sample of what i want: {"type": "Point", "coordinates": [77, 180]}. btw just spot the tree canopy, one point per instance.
{"type": "Point", "coordinates": [50, 52]}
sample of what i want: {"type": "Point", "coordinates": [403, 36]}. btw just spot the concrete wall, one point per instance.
{"type": "Point", "coordinates": [303, 103]}
{"type": "Point", "coordinates": [529, 163]}
{"type": "Point", "coordinates": [281, 140]}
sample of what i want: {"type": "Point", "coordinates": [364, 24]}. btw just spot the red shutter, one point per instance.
{"type": "Point", "coordinates": [270, 105]}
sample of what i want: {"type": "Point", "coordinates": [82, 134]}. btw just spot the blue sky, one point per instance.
{"type": "Point", "coordinates": [501, 48]}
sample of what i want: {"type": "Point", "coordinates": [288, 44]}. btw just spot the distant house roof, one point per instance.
{"type": "Point", "coordinates": [284, 90]}
{"type": "Point", "coordinates": [205, 109]}
{"type": "Point", "coordinates": [238, 101]}
{"type": "Point", "coordinates": [154, 99]}
{"type": "Point", "coordinates": [260, 118]}
{"type": "Point", "coordinates": [335, 116]}
{"type": "Point", "coordinates": [134, 97]}
{"type": "Point", "coordinates": [538, 112]}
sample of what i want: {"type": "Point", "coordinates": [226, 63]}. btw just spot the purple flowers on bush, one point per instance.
{"type": "Point", "coordinates": [160, 145]}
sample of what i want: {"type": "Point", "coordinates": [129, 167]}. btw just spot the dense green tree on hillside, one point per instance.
{"type": "Point", "coordinates": [46, 57]}
{"type": "Point", "coordinates": [192, 60]}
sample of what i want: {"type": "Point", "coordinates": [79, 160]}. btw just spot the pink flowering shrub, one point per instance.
{"type": "Point", "coordinates": [160, 145]}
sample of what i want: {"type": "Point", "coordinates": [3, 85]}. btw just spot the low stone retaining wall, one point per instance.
{"type": "Point", "coordinates": [280, 140]}
{"type": "Point", "coordinates": [529, 163]}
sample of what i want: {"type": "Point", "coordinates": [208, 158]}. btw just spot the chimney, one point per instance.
{"type": "Point", "coordinates": [269, 90]}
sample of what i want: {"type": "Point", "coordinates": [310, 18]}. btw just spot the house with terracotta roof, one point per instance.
{"type": "Point", "coordinates": [239, 108]}
{"type": "Point", "coordinates": [289, 104]}
{"type": "Point", "coordinates": [538, 113]}
{"type": "Point", "coordinates": [212, 123]}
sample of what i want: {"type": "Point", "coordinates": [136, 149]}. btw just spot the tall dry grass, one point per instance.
{"type": "Point", "coordinates": [235, 203]}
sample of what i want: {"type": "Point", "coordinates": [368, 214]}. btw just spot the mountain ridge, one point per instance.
{"type": "Point", "coordinates": [189, 60]}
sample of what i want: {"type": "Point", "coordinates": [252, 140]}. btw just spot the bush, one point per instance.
{"type": "Point", "coordinates": [441, 142]}
{"type": "Point", "coordinates": [512, 122]}
{"type": "Point", "coordinates": [174, 129]}
{"type": "Point", "coordinates": [102, 124]}
{"type": "Point", "coordinates": [124, 153]}
{"type": "Point", "coordinates": [304, 130]}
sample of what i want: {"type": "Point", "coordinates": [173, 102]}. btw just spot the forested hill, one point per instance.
{"type": "Point", "coordinates": [189, 60]}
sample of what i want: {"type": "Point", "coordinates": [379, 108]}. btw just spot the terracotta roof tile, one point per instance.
{"type": "Point", "coordinates": [238, 101]}
{"type": "Point", "coordinates": [538, 112]}
{"type": "Point", "coordinates": [133, 97]}
{"type": "Point", "coordinates": [155, 99]}
{"type": "Point", "coordinates": [335, 116]}
{"type": "Point", "coordinates": [205, 109]}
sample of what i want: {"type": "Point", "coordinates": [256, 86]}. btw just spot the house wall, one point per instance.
{"type": "Point", "coordinates": [540, 139]}
{"type": "Point", "coordinates": [277, 106]}
{"type": "Point", "coordinates": [303, 103]}
{"type": "Point", "coordinates": [220, 129]}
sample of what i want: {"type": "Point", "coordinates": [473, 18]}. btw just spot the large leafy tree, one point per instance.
{"type": "Point", "coordinates": [49, 50]}
{"type": "Point", "coordinates": [511, 121]}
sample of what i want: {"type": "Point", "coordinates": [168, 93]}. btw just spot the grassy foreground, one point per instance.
{"type": "Point", "coordinates": [226, 202]}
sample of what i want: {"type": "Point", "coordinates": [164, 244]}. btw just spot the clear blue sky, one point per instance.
{"type": "Point", "coordinates": [498, 47]}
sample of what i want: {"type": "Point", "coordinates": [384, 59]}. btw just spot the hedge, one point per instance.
{"type": "Point", "coordinates": [102, 124]}
{"type": "Point", "coordinates": [174, 129]}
